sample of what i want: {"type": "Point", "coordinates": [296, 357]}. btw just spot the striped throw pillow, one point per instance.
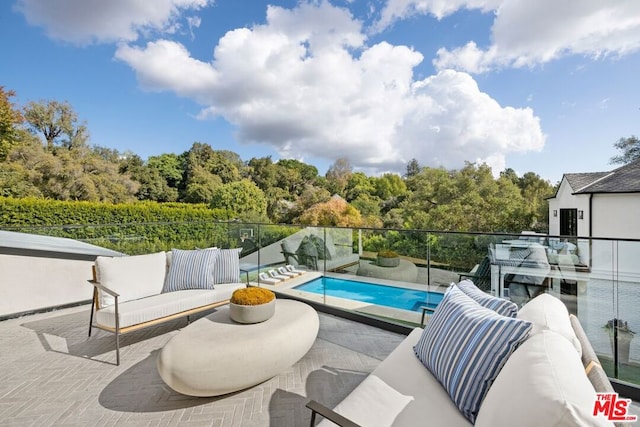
{"type": "Point", "coordinates": [499, 305]}
{"type": "Point", "coordinates": [190, 270]}
{"type": "Point", "coordinates": [465, 346]}
{"type": "Point", "coordinates": [227, 266]}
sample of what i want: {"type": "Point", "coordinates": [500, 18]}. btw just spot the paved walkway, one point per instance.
{"type": "Point", "coordinates": [52, 374]}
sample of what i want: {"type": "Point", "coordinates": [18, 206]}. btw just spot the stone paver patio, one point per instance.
{"type": "Point", "coordinates": [51, 373]}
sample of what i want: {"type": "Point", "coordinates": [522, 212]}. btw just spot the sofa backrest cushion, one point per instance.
{"type": "Point", "coordinates": [465, 345]}
{"type": "Point", "coordinates": [547, 312]}
{"type": "Point", "coordinates": [499, 305]}
{"type": "Point", "coordinates": [227, 269]}
{"type": "Point", "coordinates": [132, 277]}
{"type": "Point", "coordinates": [542, 384]}
{"type": "Point", "coordinates": [190, 270]}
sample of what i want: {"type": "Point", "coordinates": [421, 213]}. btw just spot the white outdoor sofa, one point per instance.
{"type": "Point", "coordinates": [133, 292]}
{"type": "Point", "coordinates": [551, 379]}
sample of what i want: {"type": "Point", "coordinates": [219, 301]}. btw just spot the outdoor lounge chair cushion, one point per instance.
{"type": "Point", "coordinates": [132, 277]}
{"type": "Point", "coordinates": [161, 305]}
{"type": "Point", "coordinates": [227, 268]}
{"type": "Point", "coordinates": [549, 313]}
{"type": "Point", "coordinates": [465, 345]}
{"type": "Point", "coordinates": [190, 270]}
{"type": "Point", "coordinates": [542, 384]}
{"type": "Point", "coordinates": [499, 305]}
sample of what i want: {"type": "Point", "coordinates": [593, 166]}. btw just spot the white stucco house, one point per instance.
{"type": "Point", "coordinates": [598, 204]}
{"type": "Point", "coordinates": [601, 205]}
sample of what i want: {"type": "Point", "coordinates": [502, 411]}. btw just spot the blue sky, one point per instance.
{"type": "Point", "coordinates": [546, 86]}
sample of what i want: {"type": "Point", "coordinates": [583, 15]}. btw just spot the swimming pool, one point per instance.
{"type": "Point", "coordinates": [390, 296]}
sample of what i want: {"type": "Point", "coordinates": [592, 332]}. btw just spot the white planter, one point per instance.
{"type": "Point", "coordinates": [252, 313]}
{"type": "Point", "coordinates": [388, 262]}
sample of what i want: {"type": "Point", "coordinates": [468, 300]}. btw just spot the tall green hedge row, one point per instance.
{"type": "Point", "coordinates": [134, 228]}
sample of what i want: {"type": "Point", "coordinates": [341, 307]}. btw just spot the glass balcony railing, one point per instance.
{"type": "Point", "coordinates": [394, 274]}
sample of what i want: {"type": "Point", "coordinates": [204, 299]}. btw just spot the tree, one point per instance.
{"type": "Point", "coordinates": [630, 148]}
{"type": "Point", "coordinates": [390, 185]}
{"type": "Point", "coordinates": [338, 175]}
{"type": "Point", "coordinates": [263, 172]}
{"type": "Point", "coordinates": [55, 119]}
{"type": "Point", "coordinates": [335, 212]}
{"type": "Point", "coordinates": [200, 185]}
{"type": "Point", "coordinates": [240, 198]}
{"type": "Point", "coordinates": [359, 184]}
{"type": "Point", "coordinates": [413, 168]}
{"type": "Point", "coordinates": [294, 176]}
{"type": "Point", "coordinates": [76, 174]}
{"type": "Point", "coordinates": [10, 120]}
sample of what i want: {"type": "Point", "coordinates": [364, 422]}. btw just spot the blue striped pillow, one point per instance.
{"type": "Point", "coordinates": [499, 305]}
{"type": "Point", "coordinates": [228, 266]}
{"type": "Point", "coordinates": [190, 270]}
{"type": "Point", "coordinates": [465, 345]}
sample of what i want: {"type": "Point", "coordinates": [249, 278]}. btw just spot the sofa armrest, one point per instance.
{"type": "Point", "coordinates": [104, 288]}
{"type": "Point", "coordinates": [334, 417]}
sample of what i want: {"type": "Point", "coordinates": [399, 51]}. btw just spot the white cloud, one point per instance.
{"type": "Point", "coordinates": [88, 21]}
{"type": "Point", "coordinates": [306, 83]}
{"type": "Point", "coordinates": [395, 10]}
{"type": "Point", "coordinates": [527, 33]}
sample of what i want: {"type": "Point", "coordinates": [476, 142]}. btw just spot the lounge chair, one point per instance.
{"type": "Point", "coordinates": [274, 274]}
{"type": "Point", "coordinates": [481, 276]}
{"type": "Point", "coordinates": [264, 278]}
{"type": "Point", "coordinates": [292, 269]}
{"type": "Point", "coordinates": [284, 272]}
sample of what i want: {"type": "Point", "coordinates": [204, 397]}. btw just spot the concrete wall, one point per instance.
{"type": "Point", "coordinates": [32, 283]}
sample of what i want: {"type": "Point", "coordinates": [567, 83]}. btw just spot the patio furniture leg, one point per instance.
{"type": "Point", "coordinates": [93, 304]}
{"type": "Point", "coordinates": [117, 333]}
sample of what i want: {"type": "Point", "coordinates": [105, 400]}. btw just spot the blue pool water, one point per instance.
{"type": "Point", "coordinates": [390, 296]}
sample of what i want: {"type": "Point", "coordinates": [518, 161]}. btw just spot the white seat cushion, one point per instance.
{"type": "Point", "coordinates": [132, 277]}
{"type": "Point", "coordinates": [403, 372]}
{"type": "Point", "coordinates": [375, 404]}
{"type": "Point", "coordinates": [161, 305]}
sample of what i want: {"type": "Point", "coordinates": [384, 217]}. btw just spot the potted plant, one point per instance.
{"type": "Point", "coordinates": [388, 258]}
{"type": "Point", "coordinates": [252, 305]}
{"type": "Point", "coordinates": [624, 335]}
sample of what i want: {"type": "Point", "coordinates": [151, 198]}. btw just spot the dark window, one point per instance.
{"type": "Point", "coordinates": [569, 222]}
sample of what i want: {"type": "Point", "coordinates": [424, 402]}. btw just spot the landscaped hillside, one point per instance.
{"type": "Point", "coordinates": [45, 154]}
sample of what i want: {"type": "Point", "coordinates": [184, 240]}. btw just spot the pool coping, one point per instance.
{"type": "Point", "coordinates": [286, 287]}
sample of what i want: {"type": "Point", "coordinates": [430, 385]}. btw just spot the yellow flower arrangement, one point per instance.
{"type": "Point", "coordinates": [387, 253]}
{"type": "Point", "coordinates": [252, 296]}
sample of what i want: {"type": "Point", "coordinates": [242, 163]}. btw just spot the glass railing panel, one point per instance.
{"type": "Point", "coordinates": [626, 351]}
{"type": "Point", "coordinates": [597, 279]}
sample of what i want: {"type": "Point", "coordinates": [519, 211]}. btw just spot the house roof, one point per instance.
{"type": "Point", "coordinates": [12, 242]}
{"type": "Point", "coordinates": [625, 179]}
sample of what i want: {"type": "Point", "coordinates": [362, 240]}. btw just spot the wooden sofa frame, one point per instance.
{"type": "Point", "coordinates": [95, 306]}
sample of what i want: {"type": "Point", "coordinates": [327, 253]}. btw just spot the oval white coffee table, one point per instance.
{"type": "Point", "coordinates": [214, 355]}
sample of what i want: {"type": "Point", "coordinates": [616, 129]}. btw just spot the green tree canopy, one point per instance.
{"type": "Point", "coordinates": [239, 199]}
{"type": "Point", "coordinates": [630, 148]}
{"type": "Point", "coordinates": [55, 120]}
{"type": "Point", "coordinates": [10, 120]}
